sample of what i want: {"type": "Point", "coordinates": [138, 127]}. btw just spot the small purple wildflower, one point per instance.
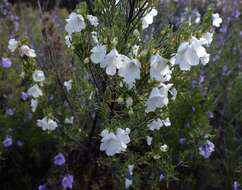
{"type": "Point", "coordinates": [5, 63]}
{"type": "Point", "coordinates": [240, 33]}
{"type": "Point", "coordinates": [42, 187]}
{"type": "Point", "coordinates": [162, 177]}
{"type": "Point", "coordinates": [194, 83]}
{"type": "Point", "coordinates": [59, 159]}
{"type": "Point", "coordinates": [24, 96]}
{"type": "Point", "coordinates": [67, 181]}
{"type": "Point", "coordinates": [206, 149]}
{"type": "Point", "coordinates": [210, 115]}
{"type": "Point", "coordinates": [236, 186]}
{"type": "Point", "coordinates": [10, 111]}
{"type": "Point", "coordinates": [8, 141]}
{"type": "Point", "coordinates": [236, 13]}
{"type": "Point", "coordinates": [182, 140]}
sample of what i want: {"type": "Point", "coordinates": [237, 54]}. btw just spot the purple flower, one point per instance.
{"type": "Point", "coordinates": [67, 181]}
{"type": "Point", "coordinates": [240, 33]}
{"type": "Point", "coordinates": [206, 149]}
{"type": "Point", "coordinates": [6, 63]}
{"type": "Point", "coordinates": [162, 177]}
{"type": "Point", "coordinates": [182, 140]}
{"type": "Point", "coordinates": [24, 96]}
{"type": "Point", "coordinates": [194, 83]}
{"type": "Point", "coordinates": [224, 29]}
{"type": "Point", "coordinates": [8, 141]}
{"type": "Point", "coordinates": [236, 186]}
{"type": "Point", "coordinates": [210, 115]}
{"type": "Point", "coordinates": [42, 187]}
{"type": "Point", "coordinates": [59, 159]}
{"type": "Point", "coordinates": [236, 13]}
{"type": "Point", "coordinates": [10, 111]}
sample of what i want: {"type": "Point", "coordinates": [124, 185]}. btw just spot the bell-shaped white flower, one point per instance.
{"type": "Point", "coordinates": [159, 69]}
{"type": "Point", "coordinates": [98, 54]}
{"type": "Point", "coordinates": [35, 91]}
{"type": "Point", "coordinates": [12, 45]}
{"type": "Point", "coordinates": [164, 148]}
{"type": "Point", "coordinates": [148, 18]}
{"type": "Point", "coordinates": [68, 85]}
{"type": "Point", "coordinates": [217, 20]}
{"type": "Point", "coordinates": [128, 183]}
{"type": "Point", "coordinates": [38, 76]}
{"type": "Point", "coordinates": [93, 20]}
{"type": "Point", "coordinates": [26, 50]}
{"type": "Point", "coordinates": [166, 122]}
{"type": "Point", "coordinates": [155, 124]}
{"type": "Point", "coordinates": [75, 23]}
{"type": "Point", "coordinates": [111, 62]}
{"type": "Point", "coordinates": [130, 71]}
{"type": "Point", "coordinates": [149, 140]}
{"type": "Point", "coordinates": [34, 104]}
{"type": "Point", "coordinates": [158, 98]}
{"type": "Point", "coordinates": [47, 124]}
{"type": "Point", "coordinates": [114, 143]}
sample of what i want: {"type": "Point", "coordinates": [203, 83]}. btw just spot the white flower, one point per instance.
{"type": "Point", "coordinates": [114, 143]}
{"type": "Point", "coordinates": [47, 124]}
{"type": "Point", "coordinates": [69, 120]}
{"type": "Point", "coordinates": [130, 71]}
{"type": "Point", "coordinates": [217, 20]}
{"type": "Point", "coordinates": [173, 93]}
{"type": "Point", "coordinates": [68, 85]}
{"type": "Point", "coordinates": [207, 38]}
{"type": "Point", "coordinates": [34, 104]}
{"type": "Point", "coordinates": [159, 69]}
{"type": "Point", "coordinates": [38, 76]}
{"type": "Point", "coordinates": [135, 50]}
{"type": "Point", "coordinates": [191, 53]}
{"type": "Point", "coordinates": [35, 91]}
{"type": "Point", "coordinates": [155, 125]}
{"type": "Point", "coordinates": [130, 169]}
{"type": "Point", "coordinates": [75, 23]}
{"type": "Point", "coordinates": [26, 50]}
{"type": "Point", "coordinates": [111, 62]}
{"type": "Point", "coordinates": [68, 39]}
{"type": "Point", "coordinates": [166, 122]}
{"type": "Point", "coordinates": [98, 54]}
{"type": "Point", "coordinates": [158, 98]}
{"type": "Point", "coordinates": [148, 18]}
{"type": "Point", "coordinates": [128, 183]}
{"type": "Point", "coordinates": [164, 148]}
{"type": "Point", "coordinates": [12, 45]}
{"type": "Point", "coordinates": [149, 140]}
{"type": "Point", "coordinates": [93, 20]}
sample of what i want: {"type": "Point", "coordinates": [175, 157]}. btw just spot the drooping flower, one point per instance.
{"type": "Point", "coordinates": [93, 20]}
{"type": "Point", "coordinates": [47, 124]}
{"type": "Point", "coordinates": [98, 53]}
{"type": "Point", "coordinates": [114, 143]}
{"type": "Point", "coordinates": [38, 76]}
{"type": "Point", "coordinates": [68, 85]}
{"type": "Point", "coordinates": [217, 20]}
{"type": "Point", "coordinates": [159, 69]}
{"type": "Point", "coordinates": [128, 183]}
{"type": "Point", "coordinates": [130, 71]}
{"type": "Point", "coordinates": [111, 62]}
{"type": "Point", "coordinates": [149, 140]}
{"type": "Point", "coordinates": [155, 124]}
{"type": "Point", "coordinates": [206, 149]}
{"type": "Point", "coordinates": [67, 181]}
{"type": "Point", "coordinates": [130, 169]}
{"type": "Point", "coordinates": [34, 104]}
{"type": "Point", "coordinates": [148, 18]}
{"type": "Point", "coordinates": [12, 45]}
{"type": "Point", "coordinates": [8, 141]}
{"type": "Point", "coordinates": [5, 63]}
{"type": "Point", "coordinates": [162, 177]}
{"type": "Point", "coordinates": [75, 23]}
{"type": "Point", "coordinates": [35, 91]}
{"type": "Point", "coordinates": [68, 40]}
{"type": "Point", "coordinates": [27, 51]}
{"type": "Point", "coordinates": [59, 159]}
{"type": "Point", "coordinates": [158, 98]}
